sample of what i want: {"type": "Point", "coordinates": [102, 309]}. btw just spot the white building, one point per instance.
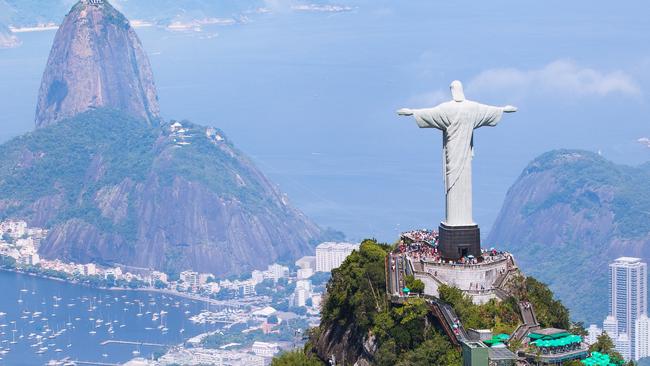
{"type": "Point", "coordinates": [257, 276]}
{"type": "Point", "coordinates": [330, 255]}
{"type": "Point", "coordinates": [265, 349]}
{"type": "Point", "coordinates": [642, 341]}
{"type": "Point", "coordinates": [115, 272]}
{"type": "Point", "coordinates": [89, 269]}
{"type": "Point", "coordinates": [247, 288]}
{"type": "Point", "coordinates": [304, 273]}
{"type": "Point", "coordinates": [33, 259]}
{"type": "Point", "coordinates": [302, 292]}
{"type": "Point", "coordinates": [623, 346]}
{"type": "Point", "coordinates": [306, 262]}
{"type": "Point", "coordinates": [610, 326]}
{"type": "Point", "coordinates": [190, 278]}
{"type": "Point", "coordinates": [276, 271]}
{"type": "Point", "coordinates": [628, 300]}
{"type": "Point", "coordinates": [158, 276]}
{"type": "Point", "coordinates": [15, 229]}
{"type": "Point", "coordinates": [593, 332]}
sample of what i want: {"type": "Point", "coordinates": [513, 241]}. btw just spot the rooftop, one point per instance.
{"type": "Point", "coordinates": [496, 354]}
{"type": "Point", "coordinates": [334, 245]}
{"type": "Point", "coordinates": [549, 331]}
{"type": "Point", "coordinates": [627, 260]}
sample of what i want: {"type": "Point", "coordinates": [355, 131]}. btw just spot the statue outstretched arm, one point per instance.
{"type": "Point", "coordinates": [509, 109]}
{"type": "Point", "coordinates": [425, 118]}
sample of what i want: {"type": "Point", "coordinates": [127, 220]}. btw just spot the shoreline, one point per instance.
{"type": "Point", "coordinates": [154, 290]}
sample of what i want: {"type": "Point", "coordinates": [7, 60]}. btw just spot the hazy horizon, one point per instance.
{"type": "Point", "coordinates": [311, 97]}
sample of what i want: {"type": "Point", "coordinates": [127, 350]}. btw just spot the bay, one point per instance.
{"type": "Point", "coordinates": [85, 318]}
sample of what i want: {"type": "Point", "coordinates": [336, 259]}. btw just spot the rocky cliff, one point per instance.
{"type": "Point", "coordinates": [7, 38]}
{"type": "Point", "coordinates": [567, 216]}
{"type": "Point", "coordinates": [96, 61]}
{"type": "Point", "coordinates": [115, 184]}
{"type": "Point", "coordinates": [113, 190]}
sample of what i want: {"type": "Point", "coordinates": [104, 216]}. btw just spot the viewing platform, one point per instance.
{"type": "Point", "coordinates": [483, 277]}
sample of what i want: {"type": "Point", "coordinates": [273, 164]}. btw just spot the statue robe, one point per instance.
{"type": "Point", "coordinates": [457, 120]}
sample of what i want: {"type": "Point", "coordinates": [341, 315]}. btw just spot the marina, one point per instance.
{"type": "Point", "coordinates": [43, 321]}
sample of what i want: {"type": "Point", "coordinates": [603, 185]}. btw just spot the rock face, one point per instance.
{"type": "Point", "coordinates": [113, 190]}
{"type": "Point", "coordinates": [7, 38]}
{"type": "Point", "coordinates": [568, 215]}
{"type": "Point", "coordinates": [114, 184]}
{"type": "Point", "coordinates": [96, 61]}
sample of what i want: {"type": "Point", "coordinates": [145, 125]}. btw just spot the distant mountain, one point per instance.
{"type": "Point", "coordinates": [7, 38]}
{"type": "Point", "coordinates": [32, 12]}
{"type": "Point", "coordinates": [112, 189]}
{"type": "Point", "coordinates": [568, 215]}
{"type": "Point", "coordinates": [22, 13]}
{"type": "Point", "coordinates": [96, 61]}
{"type": "Point", "coordinates": [114, 184]}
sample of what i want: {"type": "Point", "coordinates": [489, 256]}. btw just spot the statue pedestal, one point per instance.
{"type": "Point", "coordinates": [455, 242]}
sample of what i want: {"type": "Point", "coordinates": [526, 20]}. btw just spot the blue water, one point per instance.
{"type": "Point", "coordinates": [71, 307]}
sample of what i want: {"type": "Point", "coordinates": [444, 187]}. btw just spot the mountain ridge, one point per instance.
{"type": "Point", "coordinates": [113, 190]}
{"type": "Point", "coordinates": [569, 214]}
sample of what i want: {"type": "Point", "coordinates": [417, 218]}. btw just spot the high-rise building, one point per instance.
{"type": "Point", "coordinates": [330, 255]}
{"type": "Point", "coordinates": [628, 301]}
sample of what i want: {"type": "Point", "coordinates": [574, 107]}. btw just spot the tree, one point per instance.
{"type": "Point", "coordinates": [550, 312]}
{"type": "Point", "coordinates": [415, 285]}
{"type": "Point", "coordinates": [273, 319]}
{"type": "Point", "coordinates": [320, 278]}
{"type": "Point", "coordinates": [434, 351]}
{"type": "Point", "coordinates": [159, 284]}
{"type": "Point", "coordinates": [572, 363]}
{"type": "Point", "coordinates": [604, 344]}
{"type": "Point", "coordinates": [7, 262]}
{"type": "Point", "coordinates": [296, 358]}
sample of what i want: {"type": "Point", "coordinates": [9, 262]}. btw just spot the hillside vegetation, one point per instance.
{"type": "Point", "coordinates": [112, 189]}
{"type": "Point", "coordinates": [567, 216]}
{"type": "Point", "coordinates": [359, 324]}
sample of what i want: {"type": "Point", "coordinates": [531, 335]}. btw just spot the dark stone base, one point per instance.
{"type": "Point", "coordinates": [455, 242]}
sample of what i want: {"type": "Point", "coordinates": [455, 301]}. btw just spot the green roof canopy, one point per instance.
{"type": "Point", "coordinates": [560, 342]}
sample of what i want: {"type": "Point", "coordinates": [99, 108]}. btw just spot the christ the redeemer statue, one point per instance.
{"type": "Point", "coordinates": [457, 119]}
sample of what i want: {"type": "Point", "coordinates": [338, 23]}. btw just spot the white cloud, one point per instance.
{"type": "Point", "coordinates": [645, 141]}
{"type": "Point", "coordinates": [278, 5]}
{"type": "Point", "coordinates": [559, 78]}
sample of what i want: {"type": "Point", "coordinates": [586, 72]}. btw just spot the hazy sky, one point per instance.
{"type": "Point", "coordinates": [311, 96]}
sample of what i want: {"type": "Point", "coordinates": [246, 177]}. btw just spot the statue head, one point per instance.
{"type": "Point", "coordinates": [457, 91]}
